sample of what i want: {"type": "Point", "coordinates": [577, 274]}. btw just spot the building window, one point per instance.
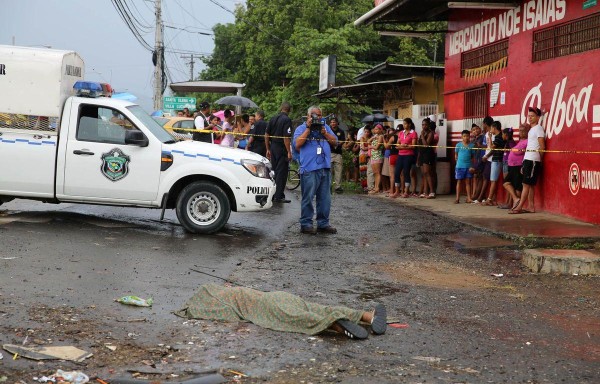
{"type": "Point", "coordinates": [575, 36]}
{"type": "Point", "coordinates": [482, 61]}
{"type": "Point", "coordinates": [476, 102]}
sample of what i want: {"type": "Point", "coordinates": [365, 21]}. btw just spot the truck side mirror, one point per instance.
{"type": "Point", "coordinates": [135, 137]}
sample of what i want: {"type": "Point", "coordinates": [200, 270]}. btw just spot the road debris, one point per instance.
{"type": "Point", "coordinates": [48, 353]}
{"type": "Point", "coordinates": [208, 379]}
{"type": "Point", "coordinates": [134, 300]}
{"type": "Point", "coordinates": [237, 373]}
{"type": "Point", "coordinates": [428, 359]}
{"type": "Point", "coordinates": [139, 320]}
{"type": "Point", "coordinates": [398, 325]}
{"type": "Point", "coordinates": [72, 377]}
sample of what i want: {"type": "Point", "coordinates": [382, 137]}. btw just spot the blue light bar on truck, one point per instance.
{"type": "Point", "coordinates": [88, 89]}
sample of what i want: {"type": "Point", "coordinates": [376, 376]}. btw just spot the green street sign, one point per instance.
{"type": "Point", "coordinates": [179, 100]}
{"type": "Point", "coordinates": [191, 107]}
{"type": "Point", "coordinates": [589, 3]}
{"type": "Point", "coordinates": [178, 103]}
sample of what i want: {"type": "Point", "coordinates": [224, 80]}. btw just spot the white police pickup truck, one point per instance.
{"type": "Point", "coordinates": [58, 148]}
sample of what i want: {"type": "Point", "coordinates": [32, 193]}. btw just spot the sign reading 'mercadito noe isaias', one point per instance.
{"type": "Point", "coordinates": [530, 15]}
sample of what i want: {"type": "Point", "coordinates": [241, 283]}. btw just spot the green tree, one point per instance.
{"type": "Point", "coordinates": [275, 47]}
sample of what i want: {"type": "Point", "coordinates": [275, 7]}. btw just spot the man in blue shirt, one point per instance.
{"type": "Point", "coordinates": [313, 140]}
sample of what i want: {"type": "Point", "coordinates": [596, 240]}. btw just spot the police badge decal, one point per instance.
{"type": "Point", "coordinates": [115, 164]}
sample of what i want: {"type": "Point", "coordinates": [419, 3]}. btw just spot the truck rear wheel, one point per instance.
{"type": "Point", "coordinates": [203, 207]}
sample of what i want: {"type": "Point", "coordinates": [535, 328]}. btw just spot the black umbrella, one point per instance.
{"type": "Point", "coordinates": [377, 118]}
{"type": "Point", "coordinates": [241, 101]}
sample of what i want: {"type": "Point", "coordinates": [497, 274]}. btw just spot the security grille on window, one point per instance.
{"type": "Point", "coordinates": [476, 102]}
{"type": "Point", "coordinates": [484, 58]}
{"type": "Point", "coordinates": [575, 36]}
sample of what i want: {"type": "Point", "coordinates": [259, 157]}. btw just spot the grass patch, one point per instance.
{"type": "Point", "coordinates": [351, 187]}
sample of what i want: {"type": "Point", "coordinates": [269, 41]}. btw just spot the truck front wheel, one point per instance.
{"type": "Point", "coordinates": [203, 207]}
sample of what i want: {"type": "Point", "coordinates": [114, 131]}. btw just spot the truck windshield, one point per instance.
{"type": "Point", "coordinates": [159, 132]}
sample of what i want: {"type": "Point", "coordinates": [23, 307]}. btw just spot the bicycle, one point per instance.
{"type": "Point", "coordinates": [293, 177]}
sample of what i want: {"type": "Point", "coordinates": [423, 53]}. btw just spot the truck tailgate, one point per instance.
{"type": "Point", "coordinates": [28, 163]}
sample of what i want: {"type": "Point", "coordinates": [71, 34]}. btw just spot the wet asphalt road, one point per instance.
{"type": "Point", "coordinates": [458, 323]}
{"type": "Point", "coordinates": [85, 255]}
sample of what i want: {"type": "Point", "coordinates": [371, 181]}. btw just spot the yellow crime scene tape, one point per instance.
{"type": "Point", "coordinates": [563, 151]}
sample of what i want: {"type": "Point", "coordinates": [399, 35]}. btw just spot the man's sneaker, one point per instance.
{"type": "Point", "coordinates": [339, 190]}
{"type": "Point", "coordinates": [308, 230]}
{"type": "Point", "coordinates": [328, 229]}
{"type": "Point", "coordinates": [282, 200]}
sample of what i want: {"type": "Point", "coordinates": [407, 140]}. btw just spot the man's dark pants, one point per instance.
{"type": "Point", "coordinates": [279, 160]}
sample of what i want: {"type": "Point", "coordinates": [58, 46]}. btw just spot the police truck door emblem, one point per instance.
{"type": "Point", "coordinates": [115, 165]}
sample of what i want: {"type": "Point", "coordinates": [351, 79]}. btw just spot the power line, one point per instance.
{"type": "Point", "coordinates": [191, 64]}
{"type": "Point", "coordinates": [192, 16]}
{"type": "Point", "coordinates": [188, 27]}
{"type": "Point", "coordinates": [130, 25]}
{"type": "Point", "coordinates": [179, 65]}
{"type": "Point", "coordinates": [188, 31]}
{"type": "Point", "coordinates": [195, 53]}
{"type": "Point", "coordinates": [144, 26]}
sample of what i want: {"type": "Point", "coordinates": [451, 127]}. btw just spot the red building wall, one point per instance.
{"type": "Point", "coordinates": [567, 88]}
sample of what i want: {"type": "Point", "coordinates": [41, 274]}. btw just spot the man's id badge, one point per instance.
{"type": "Point", "coordinates": [319, 149]}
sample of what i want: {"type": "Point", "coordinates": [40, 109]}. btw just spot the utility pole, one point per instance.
{"type": "Point", "coordinates": [191, 64]}
{"type": "Point", "coordinates": [158, 53]}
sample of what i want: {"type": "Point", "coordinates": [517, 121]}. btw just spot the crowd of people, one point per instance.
{"type": "Point", "coordinates": [244, 132]}
{"type": "Point", "coordinates": [484, 154]}
{"type": "Point", "coordinates": [388, 160]}
{"type": "Point", "coordinates": [396, 161]}
{"type": "Point", "coordinates": [393, 160]}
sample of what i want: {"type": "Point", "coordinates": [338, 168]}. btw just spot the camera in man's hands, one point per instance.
{"type": "Point", "coordinates": [317, 123]}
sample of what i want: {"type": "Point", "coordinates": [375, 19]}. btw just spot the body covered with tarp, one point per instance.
{"type": "Point", "coordinates": [280, 311]}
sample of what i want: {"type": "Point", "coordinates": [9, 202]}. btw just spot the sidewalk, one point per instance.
{"type": "Point", "coordinates": [534, 229]}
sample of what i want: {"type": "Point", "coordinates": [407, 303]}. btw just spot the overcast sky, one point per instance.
{"type": "Point", "coordinates": [94, 29]}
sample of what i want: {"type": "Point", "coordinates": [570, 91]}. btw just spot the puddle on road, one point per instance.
{"type": "Point", "coordinates": [476, 240]}
{"type": "Point", "coordinates": [437, 274]}
{"type": "Point", "coordinates": [501, 255]}
{"type": "Point", "coordinates": [490, 248]}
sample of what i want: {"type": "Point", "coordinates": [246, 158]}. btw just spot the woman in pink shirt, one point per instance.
{"type": "Point", "coordinates": [513, 182]}
{"type": "Point", "coordinates": [407, 139]}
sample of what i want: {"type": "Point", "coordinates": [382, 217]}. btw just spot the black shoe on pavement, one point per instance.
{"type": "Point", "coordinates": [282, 201]}
{"type": "Point", "coordinates": [339, 190]}
{"type": "Point", "coordinates": [352, 330]}
{"type": "Point", "coordinates": [379, 321]}
{"type": "Point", "coordinates": [308, 230]}
{"type": "Point", "coordinates": [328, 229]}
